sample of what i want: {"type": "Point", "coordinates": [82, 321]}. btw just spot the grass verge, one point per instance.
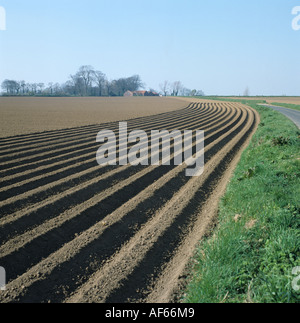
{"type": "Point", "coordinates": [286, 105]}
{"type": "Point", "coordinates": [252, 253]}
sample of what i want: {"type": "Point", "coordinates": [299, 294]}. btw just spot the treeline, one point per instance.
{"type": "Point", "coordinates": [177, 88]}
{"type": "Point", "coordinates": [86, 82]}
{"type": "Point", "coordinates": [90, 82]}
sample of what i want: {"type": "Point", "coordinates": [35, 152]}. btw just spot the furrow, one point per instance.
{"type": "Point", "coordinates": [11, 204]}
{"type": "Point", "coordinates": [124, 235]}
{"type": "Point", "coordinates": [114, 282]}
{"type": "Point", "coordinates": [124, 207]}
{"type": "Point", "coordinates": [62, 139]}
{"type": "Point", "coordinates": [35, 181]}
{"type": "Point", "coordinates": [21, 139]}
{"type": "Point", "coordinates": [54, 152]}
{"type": "Point", "coordinates": [69, 133]}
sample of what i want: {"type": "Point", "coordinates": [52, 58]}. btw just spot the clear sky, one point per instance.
{"type": "Point", "coordinates": [218, 46]}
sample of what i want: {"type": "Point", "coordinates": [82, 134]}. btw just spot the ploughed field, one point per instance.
{"type": "Point", "coordinates": [25, 115]}
{"type": "Point", "coordinates": [271, 99]}
{"type": "Point", "coordinates": [73, 231]}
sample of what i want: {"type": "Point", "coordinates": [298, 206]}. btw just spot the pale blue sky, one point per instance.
{"type": "Point", "coordinates": [218, 46]}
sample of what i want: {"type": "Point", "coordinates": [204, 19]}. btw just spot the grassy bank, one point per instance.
{"type": "Point", "coordinates": [252, 253]}
{"type": "Point", "coordinates": [285, 105]}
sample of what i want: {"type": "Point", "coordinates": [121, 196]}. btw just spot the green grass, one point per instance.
{"type": "Point", "coordinates": [256, 245]}
{"type": "Point", "coordinates": [285, 105]}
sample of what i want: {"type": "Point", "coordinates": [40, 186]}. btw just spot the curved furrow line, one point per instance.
{"type": "Point", "coordinates": [80, 153]}
{"type": "Point", "coordinates": [70, 138]}
{"type": "Point", "coordinates": [38, 149]}
{"type": "Point", "coordinates": [14, 226]}
{"type": "Point", "coordinates": [85, 144]}
{"type": "Point", "coordinates": [223, 135]}
{"type": "Point", "coordinates": [32, 182]}
{"type": "Point", "coordinates": [50, 200]}
{"type": "Point", "coordinates": [127, 276]}
{"type": "Point", "coordinates": [90, 250]}
{"type": "Point", "coordinates": [10, 204]}
{"type": "Point", "coordinates": [69, 132]}
{"type": "Point", "coordinates": [121, 243]}
{"type": "Point", "coordinates": [167, 285]}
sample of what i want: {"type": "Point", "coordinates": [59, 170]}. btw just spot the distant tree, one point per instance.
{"type": "Point", "coordinates": [122, 85]}
{"type": "Point", "coordinates": [57, 89]}
{"type": "Point", "coordinates": [100, 79]}
{"type": "Point", "coordinates": [17, 87]}
{"type": "Point", "coordinates": [11, 87]}
{"type": "Point", "coordinates": [78, 85]}
{"type": "Point", "coordinates": [200, 93]}
{"type": "Point", "coordinates": [33, 88]}
{"type": "Point", "coordinates": [176, 88]}
{"type": "Point", "coordinates": [68, 88]}
{"type": "Point", "coordinates": [164, 88]}
{"type": "Point", "coordinates": [23, 86]}
{"type": "Point", "coordinates": [247, 92]}
{"type": "Point", "coordinates": [134, 83]}
{"type": "Point", "coordinates": [118, 87]}
{"type": "Point", "coordinates": [6, 86]}
{"type": "Point", "coordinates": [85, 82]}
{"type": "Point", "coordinates": [108, 87]}
{"type": "Point", "coordinates": [41, 87]}
{"type": "Point", "coordinates": [85, 76]}
{"type": "Point", "coordinates": [186, 92]}
{"type": "Point", "coordinates": [50, 88]}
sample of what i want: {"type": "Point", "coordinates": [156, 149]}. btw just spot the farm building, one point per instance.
{"type": "Point", "coordinates": [140, 93]}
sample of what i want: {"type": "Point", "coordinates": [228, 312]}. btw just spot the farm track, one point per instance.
{"type": "Point", "coordinates": [72, 231]}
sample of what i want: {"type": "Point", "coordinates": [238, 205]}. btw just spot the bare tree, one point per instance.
{"type": "Point", "coordinates": [11, 87]}
{"type": "Point", "coordinates": [176, 88]}
{"type": "Point", "coordinates": [186, 92]}
{"type": "Point", "coordinates": [33, 88]}
{"type": "Point", "coordinates": [86, 73]}
{"type": "Point", "coordinates": [120, 86]}
{"type": "Point", "coordinates": [200, 93]}
{"type": "Point", "coordinates": [86, 81]}
{"type": "Point", "coordinates": [6, 86]}
{"type": "Point", "coordinates": [78, 85]}
{"type": "Point", "coordinates": [164, 87]}
{"type": "Point", "coordinates": [23, 86]}
{"type": "Point", "coordinates": [41, 87]}
{"type": "Point", "coordinates": [108, 87]}
{"type": "Point", "coordinates": [57, 89]}
{"type": "Point", "coordinates": [50, 87]}
{"type": "Point", "coordinates": [134, 83]}
{"type": "Point", "coordinates": [100, 79]}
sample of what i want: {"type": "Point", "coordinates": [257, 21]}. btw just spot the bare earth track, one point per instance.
{"type": "Point", "coordinates": [72, 231]}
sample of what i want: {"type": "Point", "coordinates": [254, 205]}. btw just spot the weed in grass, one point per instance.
{"type": "Point", "coordinates": [281, 141]}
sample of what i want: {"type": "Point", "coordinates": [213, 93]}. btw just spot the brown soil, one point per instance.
{"type": "Point", "coordinates": [72, 231]}
{"type": "Point", "coordinates": [28, 115]}
{"type": "Point", "coordinates": [272, 99]}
